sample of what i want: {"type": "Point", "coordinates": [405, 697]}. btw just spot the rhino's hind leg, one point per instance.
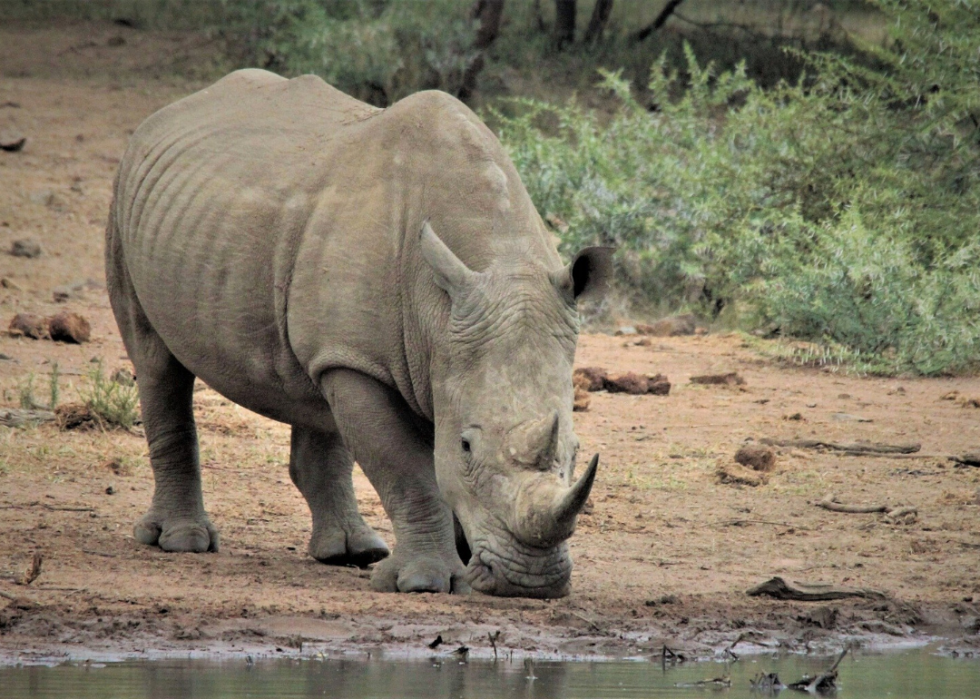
{"type": "Point", "coordinates": [396, 456]}
{"type": "Point", "coordinates": [320, 466]}
{"type": "Point", "coordinates": [176, 520]}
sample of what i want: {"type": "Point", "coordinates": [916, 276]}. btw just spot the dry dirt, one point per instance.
{"type": "Point", "coordinates": [664, 556]}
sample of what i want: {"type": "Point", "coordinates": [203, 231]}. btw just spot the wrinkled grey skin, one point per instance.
{"type": "Point", "coordinates": [379, 280]}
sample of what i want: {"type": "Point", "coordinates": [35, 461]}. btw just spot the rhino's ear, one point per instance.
{"type": "Point", "coordinates": [588, 275]}
{"type": "Point", "coordinates": [450, 273]}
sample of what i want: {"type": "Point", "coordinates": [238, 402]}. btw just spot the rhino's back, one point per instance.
{"type": "Point", "coordinates": [213, 195]}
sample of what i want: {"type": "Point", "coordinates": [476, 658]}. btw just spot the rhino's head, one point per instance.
{"type": "Point", "coordinates": [505, 447]}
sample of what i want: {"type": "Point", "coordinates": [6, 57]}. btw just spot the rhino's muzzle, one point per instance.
{"type": "Point", "coordinates": [522, 572]}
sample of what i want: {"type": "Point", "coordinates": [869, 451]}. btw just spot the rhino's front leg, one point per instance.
{"type": "Point", "coordinates": [320, 466]}
{"type": "Point", "coordinates": [381, 432]}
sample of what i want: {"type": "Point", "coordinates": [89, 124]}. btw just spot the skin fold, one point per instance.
{"type": "Point", "coordinates": [379, 280]}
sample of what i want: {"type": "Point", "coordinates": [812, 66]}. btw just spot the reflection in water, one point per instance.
{"type": "Point", "coordinates": [900, 676]}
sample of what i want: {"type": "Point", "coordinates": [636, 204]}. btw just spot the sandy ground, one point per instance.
{"type": "Point", "coordinates": [663, 557]}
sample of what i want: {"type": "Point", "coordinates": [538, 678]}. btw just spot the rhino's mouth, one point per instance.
{"type": "Point", "coordinates": [510, 568]}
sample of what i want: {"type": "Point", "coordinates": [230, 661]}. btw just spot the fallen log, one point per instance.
{"type": "Point", "coordinates": [778, 588]}
{"type": "Point", "coordinates": [15, 417]}
{"type": "Point", "coordinates": [972, 459]}
{"type": "Point", "coordinates": [846, 447]}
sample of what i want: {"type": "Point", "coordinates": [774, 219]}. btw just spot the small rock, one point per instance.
{"type": "Point", "coordinates": [69, 327]}
{"type": "Point", "coordinates": [729, 379]}
{"type": "Point", "coordinates": [26, 247]}
{"type": "Point", "coordinates": [822, 617]}
{"type": "Point", "coordinates": [757, 458]}
{"type": "Point", "coordinates": [125, 377]}
{"type": "Point", "coordinates": [110, 490]}
{"type": "Point", "coordinates": [28, 325]}
{"type": "Point", "coordinates": [846, 417]}
{"type": "Point", "coordinates": [12, 141]}
{"type": "Point", "coordinates": [43, 196]}
{"type": "Point", "coordinates": [591, 378]}
{"type": "Point", "coordinates": [669, 327]}
{"type": "Point", "coordinates": [625, 330]}
{"type": "Point", "coordinates": [582, 399]}
{"type": "Point", "coordinates": [62, 294]}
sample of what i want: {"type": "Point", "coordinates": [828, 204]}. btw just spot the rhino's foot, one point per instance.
{"type": "Point", "coordinates": [425, 573]}
{"type": "Point", "coordinates": [359, 547]}
{"type": "Point", "coordinates": [180, 535]}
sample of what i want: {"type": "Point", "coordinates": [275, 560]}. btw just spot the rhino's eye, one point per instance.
{"type": "Point", "coordinates": [466, 445]}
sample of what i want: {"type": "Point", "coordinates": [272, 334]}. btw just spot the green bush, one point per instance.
{"type": "Point", "coordinates": [844, 208]}
{"type": "Point", "coordinates": [113, 402]}
{"type": "Point", "coordinates": [374, 50]}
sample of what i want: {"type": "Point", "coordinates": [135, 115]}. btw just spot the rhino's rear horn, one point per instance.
{"type": "Point", "coordinates": [450, 273]}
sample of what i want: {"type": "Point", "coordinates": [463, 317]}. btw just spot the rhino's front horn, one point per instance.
{"type": "Point", "coordinates": [574, 500]}
{"type": "Point", "coordinates": [547, 512]}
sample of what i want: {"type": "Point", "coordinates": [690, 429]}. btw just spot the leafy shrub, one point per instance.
{"type": "Point", "coordinates": [113, 402]}
{"type": "Point", "coordinates": [842, 208]}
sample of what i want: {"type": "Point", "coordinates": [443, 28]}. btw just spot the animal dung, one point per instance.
{"type": "Point", "coordinates": [28, 325]}
{"type": "Point", "coordinates": [69, 327]}
{"type": "Point", "coordinates": [729, 379]}
{"type": "Point", "coordinates": [757, 458]}
{"type": "Point", "coordinates": [591, 378]}
{"type": "Point", "coordinates": [62, 327]}
{"type": "Point", "coordinates": [582, 400]}
{"type": "Point", "coordinates": [597, 379]}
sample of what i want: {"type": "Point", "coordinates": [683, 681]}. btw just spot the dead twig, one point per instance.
{"type": "Point", "coordinates": [44, 505]}
{"type": "Point", "coordinates": [850, 448]}
{"type": "Point", "coordinates": [592, 624]}
{"type": "Point", "coordinates": [830, 503]}
{"type": "Point", "coordinates": [33, 570]}
{"type": "Point", "coordinates": [778, 588]}
{"type": "Point", "coordinates": [493, 642]}
{"type": "Point", "coordinates": [99, 553]}
{"type": "Point", "coordinates": [743, 522]}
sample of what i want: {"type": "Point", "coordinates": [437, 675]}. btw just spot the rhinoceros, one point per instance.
{"type": "Point", "coordinates": [379, 280]}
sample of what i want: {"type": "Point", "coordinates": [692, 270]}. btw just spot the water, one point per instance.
{"type": "Point", "coordinates": [898, 676]}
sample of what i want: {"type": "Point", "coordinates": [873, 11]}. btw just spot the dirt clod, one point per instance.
{"type": "Point", "coordinates": [76, 416]}
{"type": "Point", "coordinates": [669, 327]}
{"type": "Point", "coordinates": [757, 458]}
{"type": "Point", "coordinates": [69, 327]}
{"type": "Point", "coordinates": [737, 474]}
{"type": "Point", "coordinates": [26, 247]}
